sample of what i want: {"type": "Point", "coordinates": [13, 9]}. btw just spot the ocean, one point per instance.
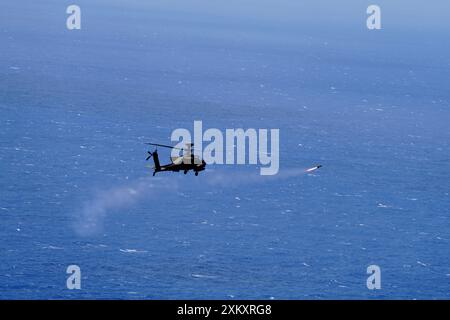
{"type": "Point", "coordinates": [371, 106]}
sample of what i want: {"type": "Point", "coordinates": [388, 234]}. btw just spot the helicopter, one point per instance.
{"type": "Point", "coordinates": [188, 161]}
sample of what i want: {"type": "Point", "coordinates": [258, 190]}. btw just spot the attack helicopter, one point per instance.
{"type": "Point", "coordinates": [187, 161]}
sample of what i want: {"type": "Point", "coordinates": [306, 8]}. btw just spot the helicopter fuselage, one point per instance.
{"type": "Point", "coordinates": [178, 164]}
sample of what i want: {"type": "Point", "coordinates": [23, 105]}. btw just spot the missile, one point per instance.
{"type": "Point", "coordinates": [314, 168]}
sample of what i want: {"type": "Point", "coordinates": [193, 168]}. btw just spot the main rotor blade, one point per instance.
{"type": "Point", "coordinates": [163, 145]}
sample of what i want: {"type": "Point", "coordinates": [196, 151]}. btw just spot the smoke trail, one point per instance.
{"type": "Point", "coordinates": [235, 179]}
{"type": "Point", "coordinates": [94, 212]}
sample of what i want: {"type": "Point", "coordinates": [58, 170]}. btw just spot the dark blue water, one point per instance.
{"type": "Point", "coordinates": [76, 107]}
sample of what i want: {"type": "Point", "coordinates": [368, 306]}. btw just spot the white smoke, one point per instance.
{"type": "Point", "coordinates": [234, 179]}
{"type": "Point", "coordinates": [91, 218]}
{"type": "Point", "coordinates": [93, 213]}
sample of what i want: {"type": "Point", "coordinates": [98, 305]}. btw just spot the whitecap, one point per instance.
{"type": "Point", "coordinates": [132, 251]}
{"type": "Point", "coordinates": [205, 276]}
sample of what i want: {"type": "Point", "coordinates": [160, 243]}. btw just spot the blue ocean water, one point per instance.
{"type": "Point", "coordinates": [371, 106]}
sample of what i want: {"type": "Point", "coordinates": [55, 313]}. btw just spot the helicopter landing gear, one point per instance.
{"type": "Point", "coordinates": [185, 171]}
{"type": "Point", "coordinates": [196, 173]}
